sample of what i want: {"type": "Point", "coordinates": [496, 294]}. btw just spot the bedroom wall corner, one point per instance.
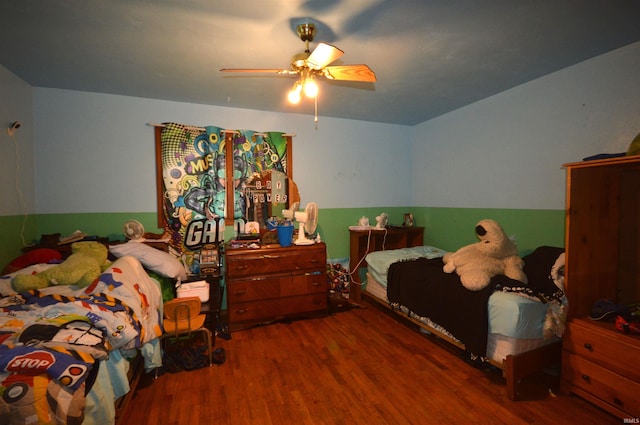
{"type": "Point", "coordinates": [16, 166]}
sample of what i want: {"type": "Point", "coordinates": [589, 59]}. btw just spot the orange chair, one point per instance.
{"type": "Point", "coordinates": [182, 317]}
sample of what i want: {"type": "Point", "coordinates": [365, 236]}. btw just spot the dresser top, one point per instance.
{"type": "Point", "coordinates": [229, 248]}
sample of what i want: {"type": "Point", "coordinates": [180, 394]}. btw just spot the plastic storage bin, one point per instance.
{"type": "Point", "coordinates": [198, 289]}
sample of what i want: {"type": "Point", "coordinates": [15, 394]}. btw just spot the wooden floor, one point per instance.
{"type": "Point", "coordinates": [356, 367]}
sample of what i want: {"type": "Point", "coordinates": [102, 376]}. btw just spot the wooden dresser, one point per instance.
{"type": "Point", "coordinates": [364, 241]}
{"type": "Point", "coordinates": [275, 283]}
{"type": "Point", "coordinates": [600, 363]}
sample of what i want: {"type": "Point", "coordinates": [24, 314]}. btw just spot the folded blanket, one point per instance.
{"type": "Point", "coordinates": [422, 287]}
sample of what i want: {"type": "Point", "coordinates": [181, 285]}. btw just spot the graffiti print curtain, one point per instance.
{"type": "Point", "coordinates": [194, 177]}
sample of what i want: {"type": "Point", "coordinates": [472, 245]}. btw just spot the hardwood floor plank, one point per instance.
{"type": "Point", "coordinates": [356, 367]}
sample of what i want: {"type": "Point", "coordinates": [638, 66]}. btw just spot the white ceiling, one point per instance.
{"type": "Point", "coordinates": [430, 56]}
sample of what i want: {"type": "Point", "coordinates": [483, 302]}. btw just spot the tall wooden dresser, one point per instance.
{"type": "Point", "coordinates": [275, 283]}
{"type": "Point", "coordinates": [600, 363]}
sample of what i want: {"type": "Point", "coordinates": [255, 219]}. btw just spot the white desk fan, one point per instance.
{"type": "Point", "coordinates": [290, 213]}
{"type": "Point", "coordinates": [308, 222]}
{"type": "Point", "coordinates": [133, 230]}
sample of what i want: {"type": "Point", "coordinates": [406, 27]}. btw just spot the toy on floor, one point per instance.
{"type": "Point", "coordinates": [493, 254]}
{"type": "Point", "coordinates": [627, 326]}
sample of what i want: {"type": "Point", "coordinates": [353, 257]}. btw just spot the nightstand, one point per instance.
{"type": "Point", "coordinates": [212, 307]}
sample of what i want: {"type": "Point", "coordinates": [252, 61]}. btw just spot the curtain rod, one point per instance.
{"type": "Point", "coordinates": [224, 131]}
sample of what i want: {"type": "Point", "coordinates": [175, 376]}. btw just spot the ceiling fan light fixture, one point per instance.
{"type": "Point", "coordinates": [311, 64]}
{"type": "Point", "coordinates": [294, 93]}
{"type": "Point", "coordinates": [310, 87]}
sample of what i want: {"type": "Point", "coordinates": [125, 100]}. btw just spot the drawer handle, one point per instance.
{"type": "Point", "coordinates": [241, 267]}
{"type": "Point", "coordinates": [243, 311]}
{"type": "Point", "coordinates": [316, 284]}
{"type": "Point", "coordinates": [588, 347]}
{"type": "Point", "coordinates": [586, 378]}
{"type": "Point", "coordinates": [240, 292]}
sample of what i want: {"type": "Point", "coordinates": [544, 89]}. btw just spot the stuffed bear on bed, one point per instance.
{"type": "Point", "coordinates": [87, 261]}
{"type": "Point", "coordinates": [493, 254]}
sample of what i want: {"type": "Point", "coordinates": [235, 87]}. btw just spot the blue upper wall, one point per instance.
{"type": "Point", "coordinates": [507, 151]}
{"type": "Point", "coordinates": [83, 152]}
{"type": "Point", "coordinates": [96, 154]}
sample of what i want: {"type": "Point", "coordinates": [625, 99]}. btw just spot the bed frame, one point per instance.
{"type": "Point", "coordinates": [514, 368]}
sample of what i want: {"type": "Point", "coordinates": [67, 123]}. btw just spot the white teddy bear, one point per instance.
{"type": "Point", "coordinates": [493, 254]}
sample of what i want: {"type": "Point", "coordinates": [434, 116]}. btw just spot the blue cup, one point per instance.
{"type": "Point", "coordinates": [272, 223]}
{"type": "Point", "coordinates": [285, 235]}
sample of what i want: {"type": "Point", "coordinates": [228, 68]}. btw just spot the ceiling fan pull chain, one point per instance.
{"type": "Point", "coordinates": [315, 118]}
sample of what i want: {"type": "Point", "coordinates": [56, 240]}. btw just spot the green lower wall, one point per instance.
{"type": "Point", "coordinates": [101, 224]}
{"type": "Point", "coordinates": [17, 232]}
{"type": "Point", "coordinates": [451, 228]}
{"type": "Point", "coordinates": [447, 228]}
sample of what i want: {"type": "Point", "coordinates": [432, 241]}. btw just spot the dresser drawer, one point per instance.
{"type": "Point", "coordinates": [253, 289]}
{"type": "Point", "coordinates": [604, 346]}
{"type": "Point", "coordinates": [312, 283]}
{"type": "Point", "coordinates": [275, 261]}
{"type": "Point", "coordinates": [304, 304]}
{"type": "Point", "coordinates": [244, 290]}
{"type": "Point", "coordinates": [254, 311]}
{"type": "Point", "coordinates": [278, 308]}
{"type": "Point", "coordinates": [610, 387]}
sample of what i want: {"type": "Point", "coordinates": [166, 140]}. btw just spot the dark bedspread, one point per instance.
{"type": "Point", "coordinates": [426, 290]}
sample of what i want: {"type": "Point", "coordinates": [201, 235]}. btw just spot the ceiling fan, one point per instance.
{"type": "Point", "coordinates": [309, 64]}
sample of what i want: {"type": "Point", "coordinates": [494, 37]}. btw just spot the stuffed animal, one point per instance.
{"type": "Point", "coordinates": [493, 254]}
{"type": "Point", "coordinates": [81, 268]}
{"type": "Point", "coordinates": [634, 146]}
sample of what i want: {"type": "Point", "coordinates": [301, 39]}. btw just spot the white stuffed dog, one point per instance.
{"type": "Point", "coordinates": [494, 254]}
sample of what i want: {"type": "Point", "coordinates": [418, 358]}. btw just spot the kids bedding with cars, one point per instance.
{"type": "Point", "coordinates": [67, 351]}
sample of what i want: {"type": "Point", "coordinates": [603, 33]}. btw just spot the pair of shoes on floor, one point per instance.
{"type": "Point", "coordinates": [219, 356]}
{"type": "Point", "coordinates": [222, 330]}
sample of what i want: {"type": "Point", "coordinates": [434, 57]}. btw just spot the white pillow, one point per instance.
{"type": "Point", "coordinates": [153, 259]}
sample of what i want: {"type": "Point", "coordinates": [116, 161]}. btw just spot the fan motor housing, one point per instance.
{"type": "Point", "coordinates": [298, 61]}
{"type": "Point", "coordinates": [306, 31]}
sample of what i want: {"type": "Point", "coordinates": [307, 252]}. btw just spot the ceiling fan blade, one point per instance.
{"type": "Point", "coordinates": [260, 70]}
{"type": "Point", "coordinates": [323, 55]}
{"type": "Point", "coordinates": [350, 73]}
